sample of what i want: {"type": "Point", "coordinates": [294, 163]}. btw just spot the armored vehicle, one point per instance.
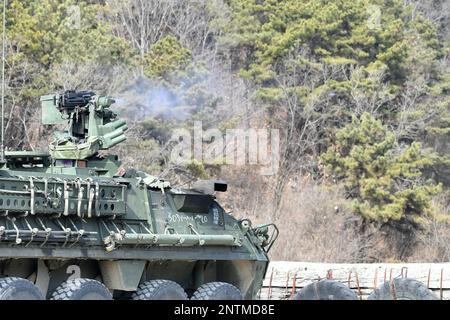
{"type": "Point", "coordinates": [75, 224]}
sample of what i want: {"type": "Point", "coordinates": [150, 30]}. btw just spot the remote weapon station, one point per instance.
{"type": "Point", "coordinates": [76, 225]}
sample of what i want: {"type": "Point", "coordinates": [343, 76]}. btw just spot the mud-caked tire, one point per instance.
{"type": "Point", "coordinates": [402, 289]}
{"type": "Point", "coordinates": [217, 291]}
{"type": "Point", "coordinates": [159, 290]}
{"type": "Point", "coordinates": [13, 288]}
{"type": "Point", "coordinates": [81, 289]}
{"type": "Point", "coordinates": [326, 290]}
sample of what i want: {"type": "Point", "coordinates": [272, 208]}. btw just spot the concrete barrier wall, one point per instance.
{"type": "Point", "coordinates": [285, 278]}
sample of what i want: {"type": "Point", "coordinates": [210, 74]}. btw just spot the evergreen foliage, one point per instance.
{"type": "Point", "coordinates": [384, 179]}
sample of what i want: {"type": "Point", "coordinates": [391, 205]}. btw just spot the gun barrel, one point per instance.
{"type": "Point", "coordinates": [117, 140]}
{"type": "Point", "coordinates": [115, 124]}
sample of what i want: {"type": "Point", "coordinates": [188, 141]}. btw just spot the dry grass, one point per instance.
{"type": "Point", "coordinates": [434, 242]}
{"type": "Point", "coordinates": [316, 224]}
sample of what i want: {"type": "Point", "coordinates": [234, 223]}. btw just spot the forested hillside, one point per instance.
{"type": "Point", "coordinates": [358, 89]}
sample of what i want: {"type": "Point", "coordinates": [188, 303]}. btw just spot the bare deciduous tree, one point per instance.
{"type": "Point", "coordinates": [144, 22]}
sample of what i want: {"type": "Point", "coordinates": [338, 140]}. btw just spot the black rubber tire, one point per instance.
{"type": "Point", "coordinates": [159, 290]}
{"type": "Point", "coordinates": [81, 289]}
{"type": "Point", "coordinates": [217, 291]}
{"type": "Point", "coordinates": [405, 289]}
{"type": "Point", "coordinates": [326, 290]}
{"type": "Point", "coordinates": [13, 288]}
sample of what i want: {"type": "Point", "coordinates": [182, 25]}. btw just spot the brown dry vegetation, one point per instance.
{"type": "Point", "coordinates": [317, 224]}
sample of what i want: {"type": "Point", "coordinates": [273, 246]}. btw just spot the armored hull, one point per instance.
{"type": "Point", "coordinates": [72, 220]}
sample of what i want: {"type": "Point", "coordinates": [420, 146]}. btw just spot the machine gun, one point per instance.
{"type": "Point", "coordinates": [73, 99]}
{"type": "Point", "coordinates": [92, 126]}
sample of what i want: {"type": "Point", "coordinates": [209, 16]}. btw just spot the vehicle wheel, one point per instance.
{"type": "Point", "coordinates": [326, 290]}
{"type": "Point", "coordinates": [402, 289]}
{"type": "Point", "coordinates": [13, 288]}
{"type": "Point", "coordinates": [159, 290]}
{"type": "Point", "coordinates": [81, 289]}
{"type": "Point", "coordinates": [217, 291]}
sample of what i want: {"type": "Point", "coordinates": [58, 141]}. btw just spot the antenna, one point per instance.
{"type": "Point", "coordinates": [2, 151]}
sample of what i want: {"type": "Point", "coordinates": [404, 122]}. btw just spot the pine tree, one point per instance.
{"type": "Point", "coordinates": [384, 179]}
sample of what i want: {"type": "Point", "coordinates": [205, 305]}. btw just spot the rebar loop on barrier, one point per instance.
{"type": "Point", "coordinates": [287, 285]}
{"type": "Point", "coordinates": [358, 285]}
{"type": "Point", "coordinates": [392, 289]}
{"type": "Point", "coordinates": [330, 274]}
{"type": "Point", "coordinates": [357, 282]}
{"type": "Point", "coordinates": [375, 279]}
{"type": "Point", "coordinates": [295, 281]}
{"type": "Point", "coordinates": [406, 272]}
{"type": "Point", "coordinates": [269, 293]}
{"type": "Point", "coordinates": [294, 284]}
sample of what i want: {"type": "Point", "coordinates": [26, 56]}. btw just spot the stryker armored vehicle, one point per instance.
{"type": "Point", "coordinates": [74, 224]}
